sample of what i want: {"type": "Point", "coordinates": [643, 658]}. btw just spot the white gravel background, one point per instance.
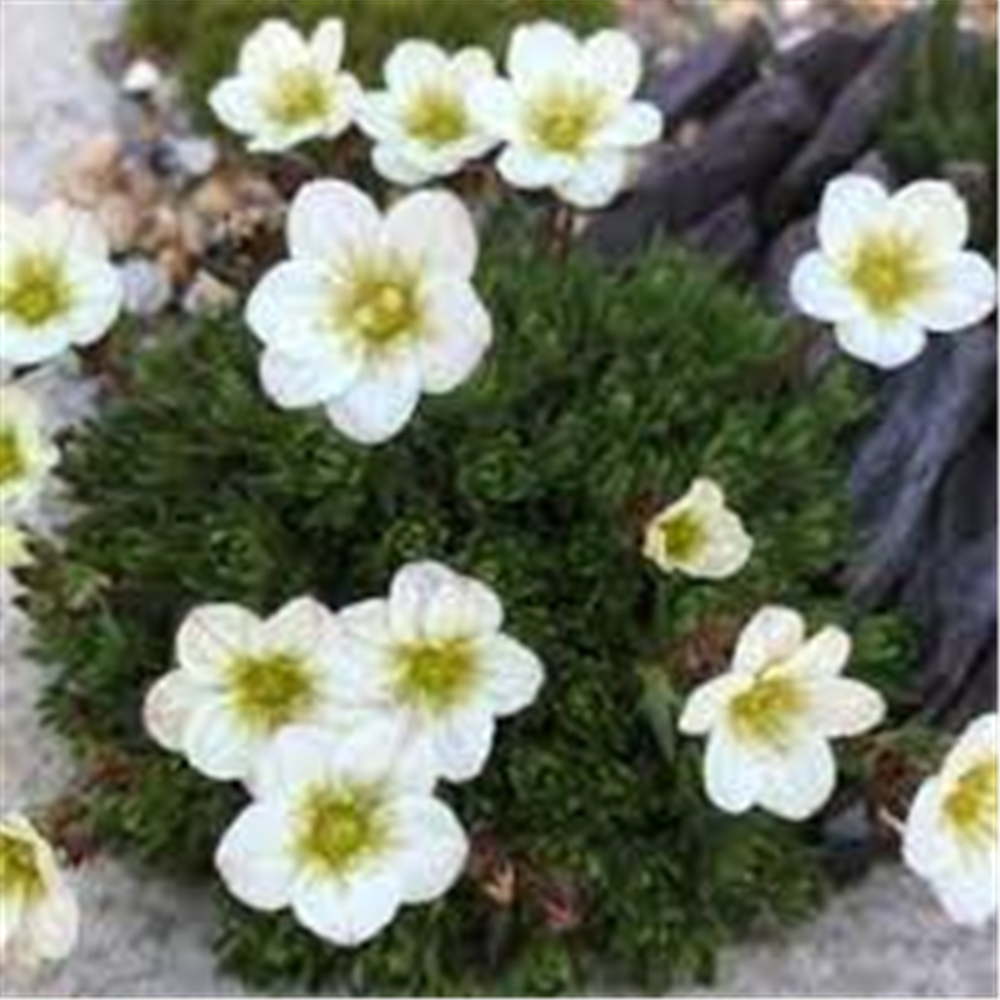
{"type": "Point", "coordinates": [142, 937]}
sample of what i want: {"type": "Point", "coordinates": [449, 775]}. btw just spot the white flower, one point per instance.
{"type": "Point", "coordinates": [39, 918]}
{"type": "Point", "coordinates": [567, 112]}
{"type": "Point", "coordinates": [341, 837]}
{"type": "Point", "coordinates": [422, 124]}
{"type": "Point", "coordinates": [27, 454]}
{"type": "Point", "coordinates": [57, 287]}
{"type": "Point", "coordinates": [770, 718]}
{"type": "Point", "coordinates": [14, 552]}
{"type": "Point", "coordinates": [951, 833]}
{"type": "Point", "coordinates": [241, 681]}
{"type": "Point", "coordinates": [890, 268]}
{"type": "Point", "coordinates": [430, 669]}
{"type": "Point", "coordinates": [370, 311]}
{"type": "Point", "coordinates": [699, 535]}
{"type": "Point", "coordinates": [288, 89]}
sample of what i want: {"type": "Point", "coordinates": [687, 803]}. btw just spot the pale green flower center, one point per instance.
{"type": "Point", "coordinates": [887, 272]}
{"type": "Point", "coordinates": [972, 805]}
{"type": "Point", "coordinates": [683, 536]}
{"type": "Point", "coordinates": [339, 828]}
{"type": "Point", "coordinates": [270, 692]}
{"type": "Point", "coordinates": [435, 676]}
{"type": "Point", "coordinates": [20, 874]}
{"type": "Point", "coordinates": [35, 291]}
{"type": "Point", "coordinates": [13, 461]}
{"type": "Point", "coordinates": [562, 118]}
{"type": "Point", "coordinates": [299, 95]}
{"type": "Point", "coordinates": [380, 303]}
{"type": "Point", "coordinates": [767, 711]}
{"type": "Point", "coordinates": [437, 116]}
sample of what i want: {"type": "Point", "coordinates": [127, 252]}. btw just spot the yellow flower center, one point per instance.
{"type": "Point", "coordinates": [435, 677]}
{"type": "Point", "coordinates": [562, 118]}
{"type": "Point", "coordinates": [338, 828]}
{"type": "Point", "coordinates": [270, 692]}
{"type": "Point", "coordinates": [298, 96]}
{"type": "Point", "coordinates": [886, 271]}
{"type": "Point", "coordinates": [972, 805]}
{"type": "Point", "coordinates": [13, 462]}
{"type": "Point", "coordinates": [766, 712]}
{"type": "Point", "coordinates": [437, 116]}
{"type": "Point", "coordinates": [20, 875]}
{"type": "Point", "coordinates": [36, 290]}
{"type": "Point", "coordinates": [379, 303]}
{"type": "Point", "coordinates": [683, 536]}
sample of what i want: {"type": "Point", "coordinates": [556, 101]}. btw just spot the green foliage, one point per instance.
{"type": "Point", "coordinates": [204, 36]}
{"type": "Point", "coordinates": [603, 396]}
{"type": "Point", "coordinates": [947, 109]}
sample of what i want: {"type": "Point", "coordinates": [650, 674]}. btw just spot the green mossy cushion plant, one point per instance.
{"type": "Point", "coordinates": [204, 36]}
{"type": "Point", "coordinates": [596, 853]}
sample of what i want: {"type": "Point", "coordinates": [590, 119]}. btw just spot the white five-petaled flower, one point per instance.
{"type": "Point", "coordinates": [27, 453]}
{"type": "Point", "coordinates": [422, 123]}
{"type": "Point", "coordinates": [951, 833]}
{"type": "Point", "coordinates": [39, 917]}
{"type": "Point", "coordinates": [770, 718]}
{"type": "Point", "coordinates": [240, 681]}
{"type": "Point", "coordinates": [288, 89]}
{"type": "Point", "coordinates": [341, 834]}
{"type": "Point", "coordinates": [430, 669]}
{"type": "Point", "coordinates": [699, 535]}
{"type": "Point", "coordinates": [889, 268]}
{"type": "Point", "coordinates": [57, 286]}
{"type": "Point", "coordinates": [567, 112]}
{"type": "Point", "coordinates": [370, 311]}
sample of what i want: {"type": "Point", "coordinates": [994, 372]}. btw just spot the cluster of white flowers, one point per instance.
{"type": "Point", "coordinates": [340, 725]}
{"type": "Point", "coordinates": [566, 116]}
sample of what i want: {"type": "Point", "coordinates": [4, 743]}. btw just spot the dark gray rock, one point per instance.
{"type": "Point", "coordinates": [729, 236]}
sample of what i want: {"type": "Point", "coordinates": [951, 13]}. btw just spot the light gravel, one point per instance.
{"type": "Point", "coordinates": [142, 937]}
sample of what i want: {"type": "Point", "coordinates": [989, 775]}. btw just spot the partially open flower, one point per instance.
{"type": "Point", "coordinates": [39, 918]}
{"type": "Point", "coordinates": [699, 535]}
{"type": "Point", "coordinates": [770, 719]}
{"type": "Point", "coordinates": [422, 123]}
{"type": "Point", "coordinates": [567, 112]}
{"type": "Point", "coordinates": [371, 311]}
{"type": "Point", "coordinates": [890, 268]}
{"type": "Point", "coordinates": [57, 287]}
{"type": "Point", "coordinates": [951, 833]}
{"type": "Point", "coordinates": [288, 89]}
{"type": "Point", "coordinates": [342, 834]}
{"type": "Point", "coordinates": [241, 681]}
{"type": "Point", "coordinates": [431, 670]}
{"type": "Point", "coordinates": [27, 454]}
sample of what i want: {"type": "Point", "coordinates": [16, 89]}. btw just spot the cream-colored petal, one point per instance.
{"type": "Point", "coordinates": [211, 636]}
{"type": "Point", "coordinates": [432, 847]}
{"type": "Point", "coordinates": [273, 46]}
{"type": "Point", "coordinates": [53, 924]}
{"type": "Point", "coordinates": [613, 58]}
{"type": "Point", "coordinates": [289, 311]}
{"type": "Point", "coordinates": [961, 294]}
{"type": "Point", "coordinates": [236, 103]}
{"type": "Point", "coordinates": [413, 589]}
{"type": "Point", "coordinates": [512, 675]}
{"type": "Point", "coordinates": [596, 181]}
{"type": "Point", "coordinates": [884, 343]}
{"type": "Point", "coordinates": [414, 64]}
{"type": "Point", "coordinates": [298, 383]}
{"type": "Point", "coordinates": [849, 207]}
{"type": "Point", "coordinates": [840, 707]}
{"type": "Point", "coordinates": [818, 289]}
{"type": "Point", "coordinates": [733, 777]}
{"type": "Point", "coordinates": [773, 634]}
{"type": "Point", "coordinates": [462, 608]}
{"type": "Point", "coordinates": [825, 654]}
{"type": "Point", "coordinates": [392, 163]}
{"type": "Point", "coordinates": [532, 169]}
{"type": "Point", "coordinates": [326, 45]}
{"type": "Point", "coordinates": [935, 216]}
{"type": "Point", "coordinates": [350, 910]}
{"type": "Point", "coordinates": [539, 50]}
{"type": "Point", "coordinates": [332, 222]}
{"type": "Point", "coordinates": [799, 782]}
{"type": "Point", "coordinates": [457, 334]}
{"type": "Point", "coordinates": [255, 859]}
{"type": "Point", "coordinates": [706, 703]}
{"type": "Point", "coordinates": [169, 706]}
{"type": "Point", "coordinates": [977, 743]}
{"type": "Point", "coordinates": [217, 744]}
{"type": "Point", "coordinates": [434, 232]}
{"type": "Point", "coordinates": [300, 628]}
{"type": "Point", "coordinates": [495, 107]}
{"type": "Point", "coordinates": [462, 742]}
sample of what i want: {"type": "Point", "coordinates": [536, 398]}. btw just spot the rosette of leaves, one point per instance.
{"type": "Point", "coordinates": [203, 37]}
{"type": "Point", "coordinates": [596, 855]}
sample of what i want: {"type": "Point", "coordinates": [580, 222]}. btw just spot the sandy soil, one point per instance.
{"type": "Point", "coordinates": [145, 938]}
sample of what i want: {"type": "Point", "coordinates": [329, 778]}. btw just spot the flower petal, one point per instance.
{"type": "Point", "coordinates": [457, 335]}
{"type": "Point", "coordinates": [236, 104]}
{"type": "Point", "coordinates": [531, 169]}
{"type": "Point", "coordinates": [55, 923]}
{"type": "Point", "coordinates": [733, 777]}
{"type": "Point", "coordinates": [818, 290]}
{"type": "Point", "coordinates": [849, 206]}
{"type": "Point", "coordinates": [512, 675]}
{"type": "Point", "coordinates": [613, 58]}
{"type": "Point", "coordinates": [300, 628]}
{"type": "Point", "coordinates": [433, 847]}
{"type": "Point", "coordinates": [462, 743]}
{"type": "Point", "coordinates": [596, 181]}
{"type": "Point", "coordinates": [707, 702]}
{"type": "Point", "coordinates": [327, 44]}
{"type": "Point", "coordinates": [168, 707]}
{"type": "Point", "coordinates": [495, 107]}
{"type": "Point", "coordinates": [825, 654]}
{"type": "Point", "coordinates": [842, 707]}
{"type": "Point", "coordinates": [289, 310]}
{"type": "Point", "coordinates": [977, 743]}
{"type": "Point", "coordinates": [935, 215]}
{"type": "Point", "coordinates": [255, 858]}
{"type": "Point", "coordinates": [210, 636]}
{"type": "Point", "coordinates": [962, 294]}
{"type": "Point", "coordinates": [351, 910]}
{"type": "Point", "coordinates": [462, 608]}
{"type": "Point", "coordinates": [275, 44]}
{"type": "Point", "coordinates": [392, 163]}
{"type": "Point", "coordinates": [434, 231]}
{"type": "Point", "coordinates": [381, 401]}
{"type": "Point", "coordinates": [299, 756]}
{"type": "Point", "coordinates": [410, 595]}
{"type": "Point", "coordinates": [799, 782]}
{"type": "Point", "coordinates": [414, 64]}
{"type": "Point", "coordinates": [538, 50]}
{"type": "Point", "coordinates": [97, 291]}
{"type": "Point", "coordinates": [296, 383]}
{"type": "Point", "coordinates": [217, 745]}
{"type": "Point", "coordinates": [638, 123]}
{"type": "Point", "coordinates": [883, 343]}
{"type": "Point", "coordinates": [774, 633]}
{"type": "Point", "coordinates": [333, 222]}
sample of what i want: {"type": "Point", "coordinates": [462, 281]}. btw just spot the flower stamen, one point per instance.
{"type": "Point", "coordinates": [435, 677]}
{"type": "Point", "coordinates": [36, 291]}
{"type": "Point", "coordinates": [298, 96]}
{"type": "Point", "coordinates": [338, 828]}
{"type": "Point", "coordinates": [972, 805]}
{"type": "Point", "coordinates": [271, 691]}
{"type": "Point", "coordinates": [19, 872]}
{"type": "Point", "coordinates": [766, 712]}
{"type": "Point", "coordinates": [886, 272]}
{"type": "Point", "coordinates": [437, 116]}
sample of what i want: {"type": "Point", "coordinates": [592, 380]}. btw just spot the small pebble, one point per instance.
{"type": "Point", "coordinates": [141, 79]}
{"type": "Point", "coordinates": [208, 296]}
{"type": "Point", "coordinates": [195, 156]}
{"type": "Point", "coordinates": [146, 288]}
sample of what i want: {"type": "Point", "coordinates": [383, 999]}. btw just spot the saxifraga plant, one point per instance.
{"type": "Point", "coordinates": [596, 853]}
